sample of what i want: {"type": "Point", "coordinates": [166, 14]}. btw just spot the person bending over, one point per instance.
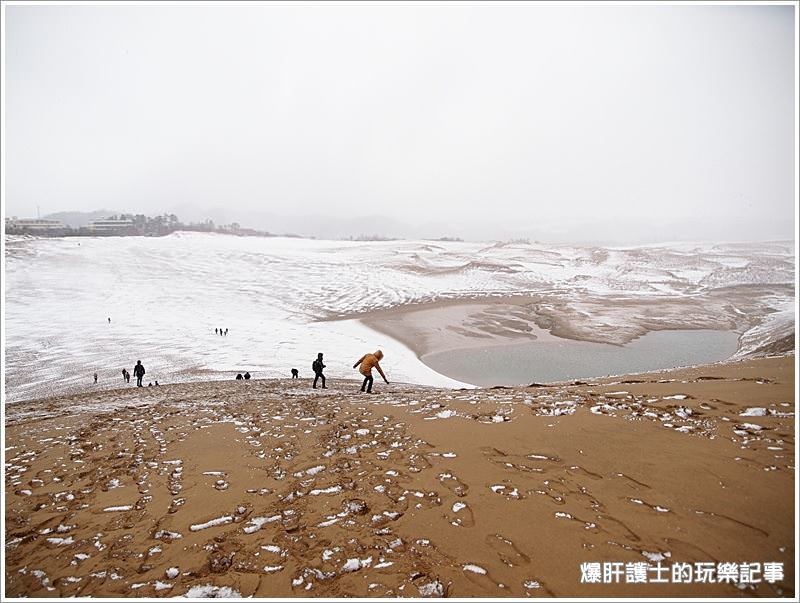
{"type": "Point", "coordinates": [365, 364]}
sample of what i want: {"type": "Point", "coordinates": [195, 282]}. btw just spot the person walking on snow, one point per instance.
{"type": "Point", "coordinates": [138, 372]}
{"type": "Point", "coordinates": [365, 365]}
{"type": "Point", "coordinates": [317, 367]}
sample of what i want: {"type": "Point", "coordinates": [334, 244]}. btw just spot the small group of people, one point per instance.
{"type": "Point", "coordinates": [138, 372]}
{"type": "Point", "coordinates": [221, 332]}
{"type": "Point", "coordinates": [365, 364]}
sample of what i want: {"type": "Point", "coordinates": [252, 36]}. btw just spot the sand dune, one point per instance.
{"type": "Point", "coordinates": [283, 299]}
{"type": "Point", "coordinates": [270, 488]}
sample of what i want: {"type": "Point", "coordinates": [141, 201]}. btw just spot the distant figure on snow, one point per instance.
{"type": "Point", "coordinates": [295, 373]}
{"type": "Point", "coordinates": [125, 376]}
{"type": "Point", "coordinates": [317, 367]}
{"type": "Point", "coordinates": [365, 365]}
{"type": "Point", "coordinates": [247, 375]}
{"type": "Point", "coordinates": [239, 377]}
{"type": "Point", "coordinates": [109, 320]}
{"type": "Point", "coordinates": [215, 331]}
{"type": "Point", "coordinates": [220, 330]}
{"type": "Point", "coordinates": [226, 331]}
{"type": "Point", "coordinates": [95, 377]}
{"type": "Point", "coordinates": [138, 372]}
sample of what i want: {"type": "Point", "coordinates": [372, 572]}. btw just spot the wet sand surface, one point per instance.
{"type": "Point", "coordinates": [438, 327]}
{"type": "Point", "coordinates": [272, 489]}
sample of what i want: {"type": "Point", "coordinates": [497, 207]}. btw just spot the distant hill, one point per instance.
{"type": "Point", "coordinates": [76, 219]}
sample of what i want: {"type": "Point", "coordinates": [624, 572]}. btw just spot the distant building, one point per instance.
{"type": "Point", "coordinates": [111, 226]}
{"type": "Point", "coordinates": [32, 225]}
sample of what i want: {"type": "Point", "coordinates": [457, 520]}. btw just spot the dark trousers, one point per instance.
{"type": "Point", "coordinates": [139, 380]}
{"type": "Point", "coordinates": [317, 376]}
{"type": "Point", "coordinates": [367, 384]}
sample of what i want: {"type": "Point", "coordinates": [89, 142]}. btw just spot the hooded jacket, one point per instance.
{"type": "Point", "coordinates": [368, 362]}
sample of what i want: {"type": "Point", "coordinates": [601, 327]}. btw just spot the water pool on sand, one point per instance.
{"type": "Point", "coordinates": [555, 359]}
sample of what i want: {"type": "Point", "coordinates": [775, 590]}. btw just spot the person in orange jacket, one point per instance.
{"type": "Point", "coordinates": [367, 362]}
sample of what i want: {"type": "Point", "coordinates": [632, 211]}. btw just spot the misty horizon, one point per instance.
{"type": "Point", "coordinates": [337, 228]}
{"type": "Point", "coordinates": [564, 124]}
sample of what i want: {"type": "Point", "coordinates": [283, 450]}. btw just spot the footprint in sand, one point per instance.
{"type": "Point", "coordinates": [480, 576]}
{"type": "Point", "coordinates": [587, 525]}
{"type": "Point", "coordinates": [176, 504]}
{"type": "Point", "coordinates": [418, 463]}
{"type": "Point", "coordinates": [627, 534]}
{"type": "Point", "coordinates": [711, 515]}
{"type": "Point", "coordinates": [419, 499]}
{"type": "Point", "coordinates": [509, 491]}
{"type": "Point", "coordinates": [461, 515]}
{"type": "Point", "coordinates": [519, 467]}
{"type": "Point", "coordinates": [513, 462]}
{"type": "Point", "coordinates": [452, 483]}
{"type": "Point", "coordinates": [220, 484]}
{"type": "Point", "coordinates": [536, 588]}
{"type": "Point", "coordinates": [633, 483]}
{"type": "Point", "coordinates": [506, 550]}
{"type": "Point", "coordinates": [578, 470]}
{"type": "Point", "coordinates": [643, 503]}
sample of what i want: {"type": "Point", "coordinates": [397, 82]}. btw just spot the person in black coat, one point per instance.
{"type": "Point", "coordinates": [317, 366]}
{"type": "Point", "coordinates": [138, 372]}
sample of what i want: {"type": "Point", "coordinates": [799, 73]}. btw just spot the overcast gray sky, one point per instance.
{"type": "Point", "coordinates": [628, 123]}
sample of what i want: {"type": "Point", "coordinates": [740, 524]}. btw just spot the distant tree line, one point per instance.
{"type": "Point", "coordinates": [135, 225]}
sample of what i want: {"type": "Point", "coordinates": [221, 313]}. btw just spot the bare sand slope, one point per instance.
{"type": "Point", "coordinates": [269, 488]}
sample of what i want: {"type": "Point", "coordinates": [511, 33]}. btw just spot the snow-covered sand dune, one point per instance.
{"type": "Point", "coordinates": [165, 296]}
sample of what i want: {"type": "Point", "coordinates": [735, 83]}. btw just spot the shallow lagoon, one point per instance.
{"type": "Point", "coordinates": [555, 359]}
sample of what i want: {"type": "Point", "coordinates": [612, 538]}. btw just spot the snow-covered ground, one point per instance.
{"type": "Point", "coordinates": [165, 296]}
